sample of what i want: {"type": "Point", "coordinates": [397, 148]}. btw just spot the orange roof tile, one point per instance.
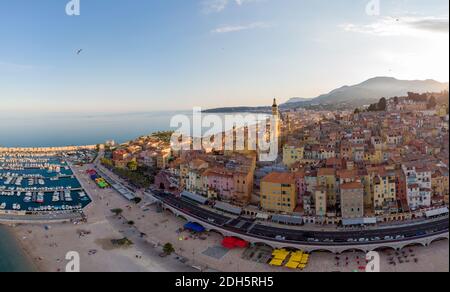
{"type": "Point", "coordinates": [279, 177]}
{"type": "Point", "coordinates": [351, 186]}
{"type": "Point", "coordinates": [347, 173]}
{"type": "Point", "coordinates": [326, 171]}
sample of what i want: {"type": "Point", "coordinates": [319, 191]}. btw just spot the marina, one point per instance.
{"type": "Point", "coordinates": [39, 183]}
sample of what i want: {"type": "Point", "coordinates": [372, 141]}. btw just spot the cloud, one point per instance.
{"type": "Point", "coordinates": [236, 28]}
{"type": "Point", "coordinates": [211, 6]}
{"type": "Point", "coordinates": [409, 26]}
{"type": "Point", "coordinates": [14, 67]}
{"type": "Point", "coordinates": [434, 25]}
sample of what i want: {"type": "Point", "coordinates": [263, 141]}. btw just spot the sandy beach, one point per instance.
{"type": "Point", "coordinates": [48, 245]}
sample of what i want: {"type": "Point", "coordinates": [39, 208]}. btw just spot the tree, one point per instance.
{"type": "Point", "coordinates": [373, 107]}
{"type": "Point", "coordinates": [107, 162]}
{"type": "Point", "coordinates": [137, 200]}
{"type": "Point", "coordinates": [163, 136]}
{"type": "Point", "coordinates": [382, 104]}
{"type": "Point", "coordinates": [168, 248]}
{"type": "Point", "coordinates": [396, 100]}
{"type": "Point", "coordinates": [132, 165]}
{"type": "Point", "coordinates": [123, 242]}
{"type": "Point", "coordinates": [432, 103]}
{"type": "Point", "coordinates": [117, 211]}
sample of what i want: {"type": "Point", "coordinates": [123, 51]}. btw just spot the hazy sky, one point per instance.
{"type": "Point", "coordinates": [145, 55]}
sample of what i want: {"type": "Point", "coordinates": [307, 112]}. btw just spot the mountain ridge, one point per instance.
{"type": "Point", "coordinates": [377, 87]}
{"type": "Point", "coordinates": [357, 95]}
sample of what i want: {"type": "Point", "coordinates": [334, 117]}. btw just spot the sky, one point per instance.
{"type": "Point", "coordinates": [148, 55]}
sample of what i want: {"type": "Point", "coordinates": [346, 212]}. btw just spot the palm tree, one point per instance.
{"type": "Point", "coordinates": [168, 248]}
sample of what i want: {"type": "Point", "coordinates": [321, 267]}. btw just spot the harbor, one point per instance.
{"type": "Point", "coordinates": [41, 182]}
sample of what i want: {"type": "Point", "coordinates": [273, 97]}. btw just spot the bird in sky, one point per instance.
{"type": "Point", "coordinates": [79, 51]}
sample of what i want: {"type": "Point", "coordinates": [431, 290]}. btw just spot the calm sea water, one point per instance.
{"type": "Point", "coordinates": [12, 258]}
{"type": "Point", "coordinates": [40, 130]}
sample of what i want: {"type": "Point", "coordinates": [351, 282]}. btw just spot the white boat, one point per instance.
{"type": "Point", "coordinates": [67, 196]}
{"type": "Point", "coordinates": [40, 198]}
{"type": "Point", "coordinates": [55, 197]}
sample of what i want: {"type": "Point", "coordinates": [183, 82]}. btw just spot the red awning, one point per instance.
{"type": "Point", "coordinates": [233, 242]}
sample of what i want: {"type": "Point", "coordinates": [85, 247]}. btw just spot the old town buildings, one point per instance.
{"type": "Point", "coordinates": [343, 164]}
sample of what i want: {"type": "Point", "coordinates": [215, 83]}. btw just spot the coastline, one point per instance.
{"type": "Point", "coordinates": [23, 258]}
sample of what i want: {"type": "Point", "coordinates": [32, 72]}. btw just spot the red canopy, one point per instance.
{"type": "Point", "coordinates": [233, 242]}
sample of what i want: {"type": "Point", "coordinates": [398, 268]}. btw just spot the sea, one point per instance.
{"type": "Point", "coordinates": [66, 129]}
{"type": "Point", "coordinates": [12, 258]}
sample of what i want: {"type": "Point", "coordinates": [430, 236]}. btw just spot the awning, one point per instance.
{"type": "Point", "coordinates": [194, 227]}
{"type": "Point", "coordinates": [292, 265]}
{"type": "Point", "coordinates": [276, 262]}
{"type": "Point", "coordinates": [436, 212]}
{"type": "Point", "coordinates": [359, 221]}
{"type": "Point", "coordinates": [371, 220]}
{"type": "Point", "coordinates": [262, 216]}
{"type": "Point", "coordinates": [233, 242]}
{"type": "Point", "coordinates": [194, 197]}
{"type": "Point", "coordinates": [286, 219]}
{"type": "Point", "coordinates": [124, 192]}
{"type": "Point", "coordinates": [228, 208]}
{"type": "Point", "coordinates": [280, 254]}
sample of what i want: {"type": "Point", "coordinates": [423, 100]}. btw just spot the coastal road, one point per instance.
{"type": "Point", "coordinates": [300, 236]}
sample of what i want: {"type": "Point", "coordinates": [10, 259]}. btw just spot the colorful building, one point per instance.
{"type": "Point", "coordinates": [418, 183]}
{"type": "Point", "coordinates": [320, 201]}
{"type": "Point", "coordinates": [326, 179]}
{"type": "Point", "coordinates": [292, 154]}
{"type": "Point", "coordinates": [352, 200]}
{"type": "Point", "coordinates": [279, 192]}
